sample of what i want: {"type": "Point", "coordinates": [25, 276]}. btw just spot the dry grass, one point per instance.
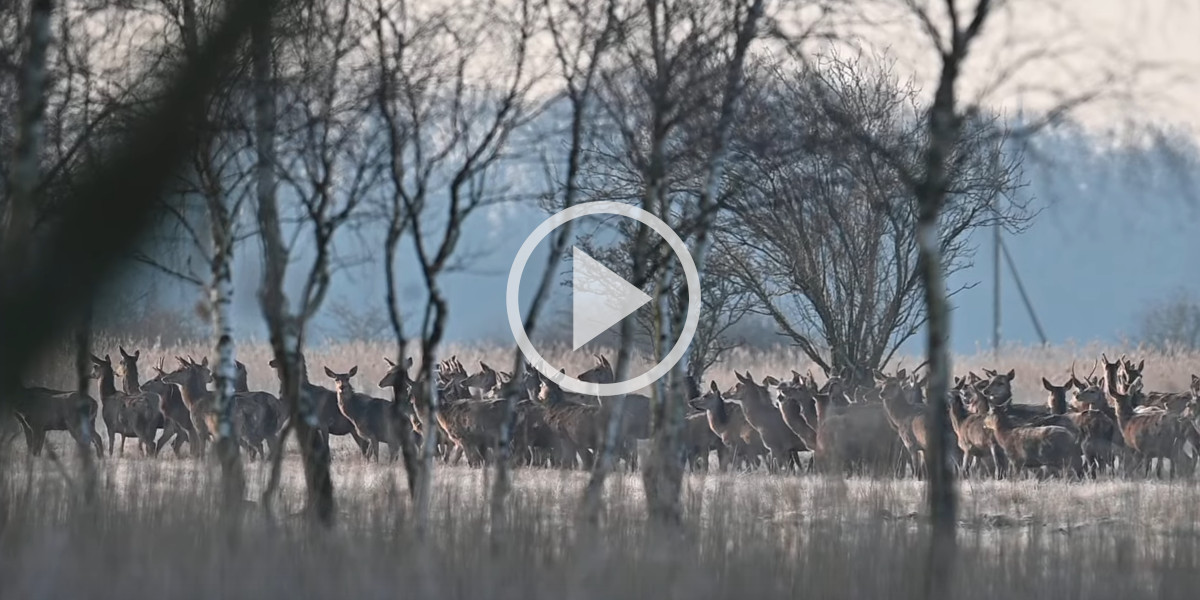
{"type": "Point", "coordinates": [156, 531]}
{"type": "Point", "coordinates": [1163, 371]}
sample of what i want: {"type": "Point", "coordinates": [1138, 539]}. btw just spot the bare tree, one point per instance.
{"type": "Point", "coordinates": [581, 33]}
{"type": "Point", "coordinates": [824, 229]}
{"type": "Point", "coordinates": [323, 150]}
{"type": "Point", "coordinates": [1171, 324]}
{"type": "Point", "coordinates": [669, 51]}
{"type": "Point", "coordinates": [447, 129]}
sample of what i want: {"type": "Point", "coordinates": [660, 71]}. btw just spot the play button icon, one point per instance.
{"type": "Point", "coordinates": [600, 298]}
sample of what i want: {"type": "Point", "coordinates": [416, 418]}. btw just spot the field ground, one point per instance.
{"type": "Point", "coordinates": [155, 530]}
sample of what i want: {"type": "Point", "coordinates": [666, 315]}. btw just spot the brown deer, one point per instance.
{"type": "Point", "coordinates": [907, 418]}
{"type": "Point", "coordinates": [583, 425]}
{"type": "Point", "coordinates": [1050, 447]}
{"type": "Point", "coordinates": [176, 416]}
{"type": "Point", "coordinates": [635, 414]}
{"type": "Point", "coordinates": [373, 418]}
{"type": "Point", "coordinates": [855, 437]}
{"type": "Point", "coordinates": [997, 389]}
{"type": "Point", "coordinates": [131, 385]}
{"type": "Point", "coordinates": [39, 410]}
{"type": "Point", "coordinates": [1154, 435]}
{"type": "Point", "coordinates": [330, 420]}
{"type": "Point", "coordinates": [728, 421]}
{"type": "Point", "coordinates": [796, 401]}
{"type": "Point", "coordinates": [975, 440]}
{"type": "Point", "coordinates": [270, 415]}
{"type": "Point", "coordinates": [1099, 437]}
{"type": "Point", "coordinates": [784, 445]}
{"type": "Point", "coordinates": [129, 415]}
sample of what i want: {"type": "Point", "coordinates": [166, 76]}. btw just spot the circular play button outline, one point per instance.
{"type": "Point", "coordinates": [513, 308]}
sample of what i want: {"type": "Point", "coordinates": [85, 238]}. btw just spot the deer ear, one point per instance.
{"type": "Point", "coordinates": [354, 370]}
{"type": "Point", "coordinates": [1141, 364]}
{"type": "Point", "coordinates": [408, 363]}
{"type": "Point", "coordinates": [330, 373]}
{"type": "Point", "coordinates": [204, 362]}
{"type": "Point", "coordinates": [1046, 384]}
{"type": "Point", "coordinates": [389, 362]}
{"type": "Point", "coordinates": [768, 380]}
{"type": "Point", "coordinates": [1012, 374]}
{"type": "Point", "coordinates": [712, 386]}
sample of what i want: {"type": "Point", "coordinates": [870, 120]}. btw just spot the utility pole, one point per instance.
{"type": "Point", "coordinates": [995, 280]}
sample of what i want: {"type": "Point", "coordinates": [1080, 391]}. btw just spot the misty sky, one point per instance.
{"type": "Point", "coordinates": [1110, 237]}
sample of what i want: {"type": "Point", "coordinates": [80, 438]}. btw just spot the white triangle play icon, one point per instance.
{"type": "Point", "coordinates": [599, 298]}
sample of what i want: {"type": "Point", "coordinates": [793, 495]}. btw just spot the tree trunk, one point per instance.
{"type": "Point", "coordinates": [225, 369]}
{"type": "Point", "coordinates": [83, 352]}
{"type": "Point", "coordinates": [285, 329]}
{"type": "Point", "coordinates": [432, 433]}
{"type": "Point", "coordinates": [931, 194]}
{"type": "Point", "coordinates": [19, 212]}
{"type": "Point", "coordinates": [663, 477]}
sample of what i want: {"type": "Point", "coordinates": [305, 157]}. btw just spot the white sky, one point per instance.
{"type": "Point", "coordinates": [1143, 54]}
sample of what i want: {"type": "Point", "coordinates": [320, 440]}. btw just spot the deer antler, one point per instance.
{"type": "Point", "coordinates": [1094, 367]}
{"type": "Point", "coordinates": [389, 362]}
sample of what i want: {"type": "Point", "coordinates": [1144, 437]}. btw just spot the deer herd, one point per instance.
{"type": "Point", "coordinates": [1104, 424]}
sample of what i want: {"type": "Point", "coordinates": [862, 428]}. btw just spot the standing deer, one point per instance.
{"type": "Point", "coordinates": [373, 418]}
{"type": "Point", "coordinates": [761, 413]}
{"type": "Point", "coordinates": [330, 420]}
{"type": "Point", "coordinates": [130, 415]}
{"type": "Point", "coordinates": [39, 410]}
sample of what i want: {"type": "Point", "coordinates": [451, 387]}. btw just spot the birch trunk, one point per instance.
{"type": "Point", "coordinates": [285, 329]}
{"type": "Point", "coordinates": [664, 485]}
{"type": "Point", "coordinates": [942, 494]}
{"type": "Point", "coordinates": [429, 442]}
{"type": "Point", "coordinates": [225, 369]}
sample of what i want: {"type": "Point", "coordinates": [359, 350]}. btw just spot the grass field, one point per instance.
{"type": "Point", "coordinates": [156, 531]}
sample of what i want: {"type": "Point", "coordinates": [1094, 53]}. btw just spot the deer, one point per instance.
{"type": "Point", "coordinates": [796, 401]}
{"type": "Point", "coordinates": [1157, 435]}
{"type": "Point", "coordinates": [784, 445]}
{"type": "Point", "coordinates": [699, 442]}
{"type": "Point", "coordinates": [131, 384]}
{"type": "Point", "coordinates": [271, 415]}
{"type": "Point", "coordinates": [728, 422]}
{"type": "Point", "coordinates": [39, 410]}
{"type": "Point", "coordinates": [997, 390]}
{"type": "Point", "coordinates": [129, 415]}
{"type": "Point", "coordinates": [854, 436]}
{"type": "Point", "coordinates": [1173, 402]}
{"type": "Point", "coordinates": [1048, 447]}
{"type": "Point", "coordinates": [906, 418]}
{"type": "Point", "coordinates": [583, 425]}
{"type": "Point", "coordinates": [323, 403]}
{"type": "Point", "coordinates": [1099, 437]}
{"type": "Point", "coordinates": [373, 418]}
{"type": "Point", "coordinates": [975, 441]}
{"type": "Point", "coordinates": [177, 418]}
{"type": "Point", "coordinates": [635, 407]}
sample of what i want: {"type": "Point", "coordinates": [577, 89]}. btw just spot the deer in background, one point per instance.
{"type": "Point", "coordinates": [728, 422]}
{"type": "Point", "coordinates": [39, 410]}
{"type": "Point", "coordinates": [176, 416]}
{"type": "Point", "coordinates": [130, 415]}
{"type": "Point", "coordinates": [330, 420]}
{"type": "Point", "coordinates": [373, 418]}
